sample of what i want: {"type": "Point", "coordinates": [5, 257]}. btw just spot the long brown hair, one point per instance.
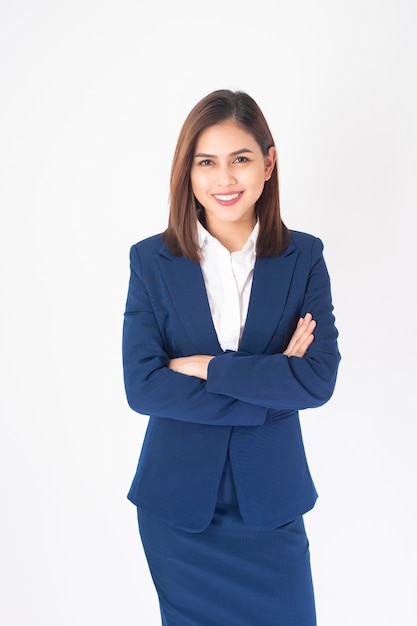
{"type": "Point", "coordinates": [221, 106]}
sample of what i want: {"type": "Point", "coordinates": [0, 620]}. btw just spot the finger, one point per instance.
{"type": "Point", "coordinates": [304, 327]}
{"type": "Point", "coordinates": [305, 332]}
{"type": "Point", "coordinates": [301, 347]}
{"type": "Point", "coordinates": [302, 337]}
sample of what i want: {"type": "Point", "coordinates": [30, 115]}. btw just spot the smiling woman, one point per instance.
{"type": "Point", "coordinates": [217, 111]}
{"type": "Point", "coordinates": [228, 183]}
{"type": "Point", "coordinates": [228, 332]}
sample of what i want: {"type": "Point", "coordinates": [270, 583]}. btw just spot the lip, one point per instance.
{"type": "Point", "coordinates": [228, 199]}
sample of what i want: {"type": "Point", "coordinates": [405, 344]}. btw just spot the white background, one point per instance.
{"type": "Point", "coordinates": [93, 96]}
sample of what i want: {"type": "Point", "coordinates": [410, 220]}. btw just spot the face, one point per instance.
{"type": "Point", "coordinates": [228, 175]}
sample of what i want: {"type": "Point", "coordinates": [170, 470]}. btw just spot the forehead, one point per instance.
{"type": "Point", "coordinates": [225, 135]}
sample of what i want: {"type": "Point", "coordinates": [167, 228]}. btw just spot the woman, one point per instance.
{"type": "Point", "coordinates": [228, 332]}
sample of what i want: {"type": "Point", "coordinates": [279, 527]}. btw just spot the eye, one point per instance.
{"type": "Point", "coordinates": [241, 159]}
{"type": "Point", "coordinates": [206, 162]}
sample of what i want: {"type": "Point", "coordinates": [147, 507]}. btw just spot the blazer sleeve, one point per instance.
{"type": "Point", "coordinates": [280, 382]}
{"type": "Point", "coordinates": [152, 388]}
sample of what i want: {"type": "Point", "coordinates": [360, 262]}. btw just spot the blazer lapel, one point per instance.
{"type": "Point", "coordinates": [271, 283]}
{"type": "Point", "coordinates": [270, 288]}
{"type": "Point", "coordinates": [185, 283]}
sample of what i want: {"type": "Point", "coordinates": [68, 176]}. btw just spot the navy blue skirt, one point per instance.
{"type": "Point", "coordinates": [230, 575]}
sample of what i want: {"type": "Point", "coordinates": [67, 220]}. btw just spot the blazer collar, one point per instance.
{"type": "Point", "coordinates": [270, 287]}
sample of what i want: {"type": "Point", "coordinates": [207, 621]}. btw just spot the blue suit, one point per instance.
{"type": "Point", "coordinates": [248, 407]}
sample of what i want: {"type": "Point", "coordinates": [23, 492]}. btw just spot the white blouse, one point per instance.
{"type": "Point", "coordinates": [228, 279]}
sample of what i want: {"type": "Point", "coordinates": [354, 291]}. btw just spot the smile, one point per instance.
{"type": "Point", "coordinates": [227, 199]}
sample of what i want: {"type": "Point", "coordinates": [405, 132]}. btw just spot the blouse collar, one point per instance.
{"type": "Point", "coordinates": [205, 238]}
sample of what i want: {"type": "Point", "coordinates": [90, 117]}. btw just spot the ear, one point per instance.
{"type": "Point", "coordinates": [270, 160]}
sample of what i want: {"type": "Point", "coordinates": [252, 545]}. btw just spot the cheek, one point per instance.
{"type": "Point", "coordinates": [257, 182]}
{"type": "Point", "coordinates": [201, 185]}
{"type": "Point", "coordinates": [197, 182]}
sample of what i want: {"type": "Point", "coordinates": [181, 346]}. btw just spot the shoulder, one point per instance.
{"type": "Point", "coordinates": [147, 249]}
{"type": "Point", "coordinates": [149, 246]}
{"type": "Point", "coordinates": [143, 254]}
{"type": "Point", "coordinates": [305, 242]}
{"type": "Point", "coordinates": [302, 240]}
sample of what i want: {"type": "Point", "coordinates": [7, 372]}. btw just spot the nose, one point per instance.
{"type": "Point", "coordinates": [226, 176]}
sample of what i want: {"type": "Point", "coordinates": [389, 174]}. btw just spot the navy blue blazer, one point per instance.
{"type": "Point", "coordinates": [249, 404]}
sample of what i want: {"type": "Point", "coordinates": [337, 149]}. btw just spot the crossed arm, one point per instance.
{"type": "Point", "coordinates": [197, 364]}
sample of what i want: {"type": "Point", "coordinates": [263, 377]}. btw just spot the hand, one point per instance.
{"type": "Point", "coordinates": [302, 338]}
{"type": "Point", "coordinates": [196, 365]}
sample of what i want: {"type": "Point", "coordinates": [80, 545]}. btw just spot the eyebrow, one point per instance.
{"type": "Point", "coordinates": [212, 156]}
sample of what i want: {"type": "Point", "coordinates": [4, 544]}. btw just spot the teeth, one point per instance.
{"type": "Point", "coordinates": [231, 196]}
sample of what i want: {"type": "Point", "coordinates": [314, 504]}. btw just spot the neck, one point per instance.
{"type": "Point", "coordinates": [232, 236]}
